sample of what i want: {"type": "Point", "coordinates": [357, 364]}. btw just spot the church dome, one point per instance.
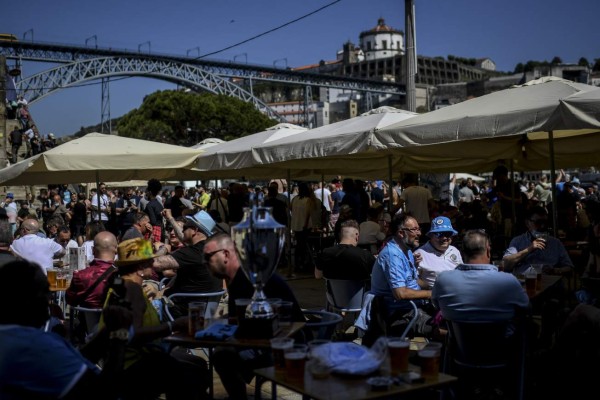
{"type": "Point", "coordinates": [381, 27]}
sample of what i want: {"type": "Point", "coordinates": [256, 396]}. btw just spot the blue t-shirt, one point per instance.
{"type": "Point", "coordinates": [393, 269]}
{"type": "Point", "coordinates": [478, 292]}
{"type": "Point", "coordinates": [554, 254]}
{"type": "Point", "coordinates": [38, 362]}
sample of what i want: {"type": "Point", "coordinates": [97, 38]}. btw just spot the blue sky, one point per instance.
{"type": "Point", "coordinates": [508, 32]}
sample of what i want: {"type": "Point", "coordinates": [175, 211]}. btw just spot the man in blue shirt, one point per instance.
{"type": "Point", "coordinates": [536, 247]}
{"type": "Point", "coordinates": [475, 290]}
{"type": "Point", "coordinates": [395, 277]}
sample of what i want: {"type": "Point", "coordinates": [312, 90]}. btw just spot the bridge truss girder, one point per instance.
{"type": "Point", "coordinates": [38, 86]}
{"type": "Point", "coordinates": [51, 52]}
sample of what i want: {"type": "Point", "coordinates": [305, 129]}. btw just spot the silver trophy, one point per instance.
{"type": "Point", "coordinates": [259, 240]}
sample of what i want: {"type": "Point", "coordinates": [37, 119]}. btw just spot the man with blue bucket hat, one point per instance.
{"type": "Point", "coordinates": [438, 255]}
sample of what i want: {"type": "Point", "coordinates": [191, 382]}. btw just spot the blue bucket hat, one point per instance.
{"type": "Point", "coordinates": [202, 221]}
{"type": "Point", "coordinates": [442, 224]}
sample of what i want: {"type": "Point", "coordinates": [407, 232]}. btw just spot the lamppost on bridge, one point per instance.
{"type": "Point", "coordinates": [280, 59]}
{"type": "Point", "coordinates": [30, 31]}
{"type": "Point", "coordinates": [149, 47]}
{"type": "Point", "coordinates": [245, 55]}
{"type": "Point", "coordinates": [187, 53]}
{"type": "Point", "coordinates": [95, 41]}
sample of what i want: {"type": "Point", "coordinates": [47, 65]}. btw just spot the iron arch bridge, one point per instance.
{"type": "Point", "coordinates": [84, 63]}
{"type": "Point", "coordinates": [194, 77]}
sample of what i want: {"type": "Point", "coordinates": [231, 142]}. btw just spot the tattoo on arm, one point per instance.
{"type": "Point", "coordinates": [165, 262]}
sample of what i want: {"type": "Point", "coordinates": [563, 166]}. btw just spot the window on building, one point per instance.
{"type": "Point", "coordinates": [368, 46]}
{"type": "Point", "coordinates": [398, 45]}
{"type": "Point", "coordinates": [384, 44]}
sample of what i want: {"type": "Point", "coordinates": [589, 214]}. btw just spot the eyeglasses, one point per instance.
{"type": "Point", "coordinates": [441, 235]}
{"type": "Point", "coordinates": [208, 256]}
{"type": "Point", "coordinates": [413, 230]}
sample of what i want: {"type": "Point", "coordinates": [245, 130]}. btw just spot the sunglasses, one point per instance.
{"type": "Point", "coordinates": [413, 230]}
{"type": "Point", "coordinates": [208, 256]}
{"type": "Point", "coordinates": [440, 235]}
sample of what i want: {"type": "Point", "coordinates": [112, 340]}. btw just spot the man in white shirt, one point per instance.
{"type": "Point", "coordinates": [323, 194]}
{"type": "Point", "coordinates": [33, 248]}
{"type": "Point", "coordinates": [438, 255]}
{"type": "Point", "coordinates": [104, 204]}
{"type": "Point", "coordinates": [63, 237]}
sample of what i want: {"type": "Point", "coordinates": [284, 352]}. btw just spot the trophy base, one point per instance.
{"type": "Point", "coordinates": [258, 328]}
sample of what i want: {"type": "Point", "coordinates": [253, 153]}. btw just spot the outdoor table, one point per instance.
{"type": "Point", "coordinates": [187, 341]}
{"type": "Point", "coordinates": [348, 387]}
{"type": "Point", "coordinates": [58, 297]}
{"type": "Point", "coordinates": [548, 281]}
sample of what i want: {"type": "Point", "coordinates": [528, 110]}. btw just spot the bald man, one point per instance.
{"type": "Point", "coordinates": [100, 269]}
{"type": "Point", "coordinates": [36, 249]}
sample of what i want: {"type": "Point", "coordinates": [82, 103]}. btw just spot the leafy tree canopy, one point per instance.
{"type": "Point", "coordinates": [184, 119]}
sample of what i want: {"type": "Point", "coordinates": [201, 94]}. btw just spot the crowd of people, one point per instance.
{"type": "Point", "coordinates": [26, 133]}
{"type": "Point", "coordinates": [407, 246]}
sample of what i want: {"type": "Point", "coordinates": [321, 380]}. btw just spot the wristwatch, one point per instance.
{"type": "Point", "coordinates": [119, 334]}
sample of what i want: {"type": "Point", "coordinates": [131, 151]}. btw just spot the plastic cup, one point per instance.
{"type": "Point", "coordinates": [295, 362]}
{"type": "Point", "coordinates": [61, 280]}
{"type": "Point", "coordinates": [538, 271]}
{"type": "Point", "coordinates": [196, 311]}
{"type": "Point", "coordinates": [279, 346]}
{"type": "Point", "coordinates": [52, 276]}
{"type": "Point", "coordinates": [398, 350]}
{"type": "Point", "coordinates": [285, 313]}
{"type": "Point", "coordinates": [430, 360]}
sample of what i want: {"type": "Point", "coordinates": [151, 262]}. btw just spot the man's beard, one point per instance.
{"type": "Point", "coordinates": [411, 244]}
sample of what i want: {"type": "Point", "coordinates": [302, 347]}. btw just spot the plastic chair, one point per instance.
{"type": "Point", "coordinates": [322, 323]}
{"type": "Point", "coordinates": [212, 298]}
{"type": "Point", "coordinates": [380, 324]}
{"type": "Point", "coordinates": [91, 317]}
{"type": "Point", "coordinates": [478, 351]}
{"type": "Point", "coordinates": [345, 295]}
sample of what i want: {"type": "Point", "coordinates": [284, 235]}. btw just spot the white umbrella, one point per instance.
{"type": "Point", "coordinates": [339, 145]}
{"type": "Point", "coordinates": [96, 157]}
{"type": "Point", "coordinates": [234, 158]}
{"type": "Point", "coordinates": [507, 124]}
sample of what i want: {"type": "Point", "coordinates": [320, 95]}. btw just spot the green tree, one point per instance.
{"type": "Point", "coordinates": [556, 60]}
{"type": "Point", "coordinates": [519, 68]}
{"type": "Point", "coordinates": [596, 66]}
{"type": "Point", "coordinates": [182, 118]}
{"type": "Point", "coordinates": [583, 62]}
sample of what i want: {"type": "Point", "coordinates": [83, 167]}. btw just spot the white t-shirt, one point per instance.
{"type": "Point", "coordinates": [327, 195]}
{"type": "Point", "coordinates": [434, 262]}
{"type": "Point", "coordinates": [89, 250]}
{"type": "Point", "coordinates": [33, 248]}
{"type": "Point", "coordinates": [370, 232]}
{"type": "Point", "coordinates": [104, 202]}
